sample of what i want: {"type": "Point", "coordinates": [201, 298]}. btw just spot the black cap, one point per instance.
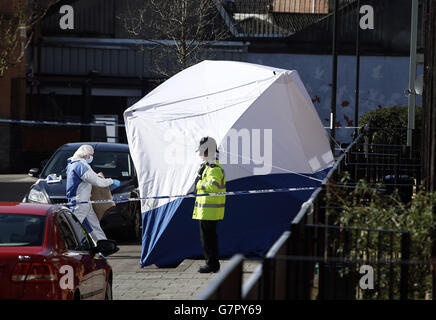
{"type": "Point", "coordinates": [203, 141]}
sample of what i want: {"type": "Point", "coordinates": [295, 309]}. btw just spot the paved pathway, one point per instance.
{"type": "Point", "coordinates": [131, 282]}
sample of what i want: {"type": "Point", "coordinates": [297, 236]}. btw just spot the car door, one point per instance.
{"type": "Point", "coordinates": [76, 256]}
{"type": "Point", "coordinates": [98, 274]}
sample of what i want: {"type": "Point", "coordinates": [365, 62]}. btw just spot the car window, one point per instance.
{"type": "Point", "coordinates": [57, 164]}
{"type": "Point", "coordinates": [113, 164]}
{"type": "Point", "coordinates": [82, 236]}
{"type": "Point", "coordinates": [21, 230]}
{"type": "Point", "coordinates": [66, 232]}
{"type": "Point", "coordinates": [118, 165]}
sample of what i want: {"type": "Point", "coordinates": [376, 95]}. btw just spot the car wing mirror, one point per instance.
{"type": "Point", "coordinates": [34, 172]}
{"type": "Point", "coordinates": [106, 247]}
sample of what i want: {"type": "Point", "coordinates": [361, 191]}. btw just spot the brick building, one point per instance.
{"type": "Point", "coordinates": [12, 87]}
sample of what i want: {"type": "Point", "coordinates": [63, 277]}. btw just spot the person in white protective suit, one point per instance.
{"type": "Point", "coordinates": [80, 179]}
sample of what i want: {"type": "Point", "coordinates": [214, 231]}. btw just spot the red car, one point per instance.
{"type": "Point", "coordinates": [45, 253]}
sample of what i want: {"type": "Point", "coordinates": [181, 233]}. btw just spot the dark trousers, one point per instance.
{"type": "Point", "coordinates": [209, 242]}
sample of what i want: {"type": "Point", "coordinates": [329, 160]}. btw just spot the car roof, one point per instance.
{"type": "Point", "coordinates": [25, 208]}
{"type": "Point", "coordinates": [98, 146]}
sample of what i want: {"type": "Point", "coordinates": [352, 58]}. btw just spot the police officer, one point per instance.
{"type": "Point", "coordinates": [209, 209]}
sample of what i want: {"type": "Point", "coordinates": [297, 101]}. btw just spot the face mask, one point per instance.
{"type": "Point", "coordinates": [89, 160]}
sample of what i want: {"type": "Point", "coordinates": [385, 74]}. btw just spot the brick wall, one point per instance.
{"type": "Point", "coordinates": [301, 6]}
{"type": "Point", "coordinates": [12, 99]}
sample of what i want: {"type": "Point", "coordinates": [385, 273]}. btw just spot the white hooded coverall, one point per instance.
{"type": "Point", "coordinates": [80, 179]}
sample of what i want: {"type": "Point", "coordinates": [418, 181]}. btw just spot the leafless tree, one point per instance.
{"type": "Point", "coordinates": [17, 28]}
{"type": "Point", "coordinates": [180, 31]}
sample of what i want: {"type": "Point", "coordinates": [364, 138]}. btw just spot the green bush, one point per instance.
{"type": "Point", "coordinates": [390, 124]}
{"type": "Point", "coordinates": [368, 207]}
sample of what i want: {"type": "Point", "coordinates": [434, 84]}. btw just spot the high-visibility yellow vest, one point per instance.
{"type": "Point", "coordinates": [212, 181]}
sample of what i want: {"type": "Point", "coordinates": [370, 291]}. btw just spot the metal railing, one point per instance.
{"type": "Point", "coordinates": [317, 260]}
{"type": "Point", "coordinates": [288, 270]}
{"type": "Point", "coordinates": [316, 253]}
{"type": "Point", "coordinates": [321, 278]}
{"type": "Point", "coordinates": [227, 285]}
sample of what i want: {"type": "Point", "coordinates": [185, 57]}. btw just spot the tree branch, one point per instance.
{"type": "Point", "coordinates": [190, 25]}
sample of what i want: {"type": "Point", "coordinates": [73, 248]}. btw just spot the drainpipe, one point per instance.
{"type": "Point", "coordinates": [334, 76]}
{"type": "Point", "coordinates": [356, 106]}
{"type": "Point", "coordinates": [412, 75]}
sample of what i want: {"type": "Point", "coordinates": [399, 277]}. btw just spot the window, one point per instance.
{"type": "Point", "coordinates": [21, 230]}
{"type": "Point", "coordinates": [67, 234]}
{"type": "Point", "coordinates": [116, 165]}
{"type": "Point", "coordinates": [82, 236]}
{"type": "Point", "coordinates": [111, 131]}
{"type": "Point", "coordinates": [113, 164]}
{"type": "Point", "coordinates": [58, 164]}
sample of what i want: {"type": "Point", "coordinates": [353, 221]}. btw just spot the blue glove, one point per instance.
{"type": "Point", "coordinates": [116, 183]}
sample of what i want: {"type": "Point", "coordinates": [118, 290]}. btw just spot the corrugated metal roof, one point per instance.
{"type": "Point", "coordinates": [117, 57]}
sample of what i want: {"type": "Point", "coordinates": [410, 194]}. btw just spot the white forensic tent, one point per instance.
{"type": "Point", "coordinates": [270, 136]}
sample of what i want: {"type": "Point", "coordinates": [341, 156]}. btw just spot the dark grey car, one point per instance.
{"type": "Point", "coordinates": [114, 161]}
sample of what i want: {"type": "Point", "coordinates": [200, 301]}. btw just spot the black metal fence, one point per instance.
{"type": "Point", "coordinates": [228, 283]}
{"type": "Point", "coordinates": [320, 278]}
{"type": "Point", "coordinates": [321, 263]}
{"type": "Point", "coordinates": [318, 260]}
{"type": "Point", "coordinates": [374, 160]}
{"type": "Point", "coordinates": [377, 271]}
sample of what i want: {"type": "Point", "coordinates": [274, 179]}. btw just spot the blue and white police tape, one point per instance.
{"type": "Point", "coordinates": [192, 195]}
{"type": "Point", "coordinates": [59, 123]}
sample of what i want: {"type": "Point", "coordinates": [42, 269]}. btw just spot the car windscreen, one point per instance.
{"type": "Point", "coordinates": [113, 164]}
{"type": "Point", "coordinates": [21, 230]}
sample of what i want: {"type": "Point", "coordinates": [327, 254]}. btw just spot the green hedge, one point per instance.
{"type": "Point", "coordinates": [366, 207]}
{"type": "Point", "coordinates": [390, 124]}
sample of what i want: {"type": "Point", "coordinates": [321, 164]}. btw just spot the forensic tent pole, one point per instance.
{"type": "Point", "coordinates": [356, 105]}
{"type": "Point", "coordinates": [334, 76]}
